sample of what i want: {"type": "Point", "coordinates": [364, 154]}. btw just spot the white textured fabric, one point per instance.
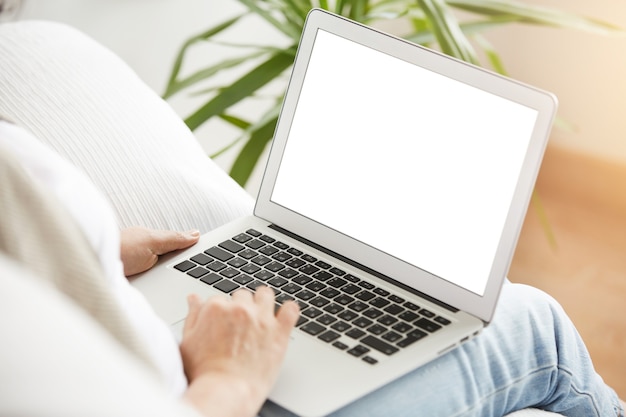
{"type": "Point", "coordinates": [97, 223]}
{"type": "Point", "coordinates": [88, 105]}
{"type": "Point", "coordinates": [56, 361]}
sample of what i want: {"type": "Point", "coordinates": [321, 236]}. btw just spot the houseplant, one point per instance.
{"type": "Point", "coordinates": [433, 23]}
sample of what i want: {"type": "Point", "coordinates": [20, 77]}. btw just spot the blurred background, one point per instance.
{"type": "Point", "coordinates": [573, 244]}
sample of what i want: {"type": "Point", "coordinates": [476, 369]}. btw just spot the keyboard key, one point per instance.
{"type": "Point", "coordinates": [256, 284]}
{"type": "Point", "coordinates": [366, 285]}
{"type": "Point", "coordinates": [377, 329]}
{"type": "Point", "coordinates": [288, 273]}
{"type": "Point", "coordinates": [372, 313]}
{"type": "Point", "coordinates": [411, 338]}
{"type": "Point", "coordinates": [318, 301]}
{"type": "Point", "coordinates": [322, 264]}
{"type": "Point", "coordinates": [358, 351]}
{"type": "Point", "coordinates": [261, 260]}
{"type": "Point", "coordinates": [408, 316]}
{"type": "Point", "coordinates": [231, 246]}
{"type": "Point", "coordinates": [328, 336]}
{"type": "Point", "coordinates": [266, 238]}
{"type": "Point", "coordinates": [309, 258]}
{"type": "Point", "coordinates": [251, 268]}
{"type": "Point", "coordinates": [336, 282]}
{"type": "Point", "coordinates": [263, 275]}
{"type": "Point", "coordinates": [229, 272]}
{"type": "Point", "coordinates": [278, 281]}
{"type": "Point", "coordinates": [281, 245]}
{"type": "Point", "coordinates": [442, 320]}
{"type": "Point", "coordinates": [394, 309]}
{"type": "Point", "coordinates": [352, 278]}
{"type": "Point", "coordinates": [340, 346]}
{"type": "Point", "coordinates": [197, 272]}
{"type": "Point", "coordinates": [355, 333]}
{"type": "Point", "coordinates": [379, 345]}
{"type": "Point", "coordinates": [370, 360]}
{"type": "Point", "coordinates": [291, 288]}
{"type": "Point", "coordinates": [274, 266]}
{"type": "Point", "coordinates": [343, 299]}
{"type": "Point", "coordinates": [219, 253]}
{"type": "Point", "coordinates": [302, 280]}
{"type": "Point", "coordinates": [341, 326]}
{"type": "Point", "coordinates": [312, 328]}
{"type": "Point", "coordinates": [326, 319]}
{"type": "Point", "coordinates": [295, 263]}
{"type": "Point", "coordinates": [333, 308]}
{"type": "Point", "coordinates": [381, 292]}
{"type": "Point", "coordinates": [365, 296]}
{"type": "Point", "coordinates": [411, 306]}
{"type": "Point", "coordinates": [247, 254]}
{"type": "Point", "coordinates": [316, 286]}
{"type": "Point", "coordinates": [351, 289]}
{"type": "Point", "coordinates": [210, 279]}
{"type": "Point", "coordinates": [361, 322]}
{"type": "Point", "coordinates": [322, 275]}
{"type": "Point", "coordinates": [226, 286]}
{"type": "Point", "coordinates": [184, 266]}
{"type": "Point", "coordinates": [312, 312]}
{"type": "Point", "coordinates": [396, 299]}
{"type": "Point", "coordinates": [329, 293]}
{"type": "Point", "coordinates": [427, 325]}
{"type": "Point", "coordinates": [269, 250]}
{"type": "Point", "coordinates": [242, 238]}
{"type": "Point", "coordinates": [309, 269]}
{"type": "Point", "coordinates": [337, 271]}
{"type": "Point", "coordinates": [237, 262]}
{"type": "Point", "coordinates": [380, 302]}
{"type": "Point", "coordinates": [358, 306]}
{"type": "Point", "coordinates": [243, 279]}
{"type": "Point", "coordinates": [201, 259]}
{"type": "Point", "coordinates": [305, 295]}
{"type": "Point", "coordinates": [294, 252]}
{"type": "Point", "coordinates": [282, 257]}
{"type": "Point", "coordinates": [402, 327]}
{"type": "Point", "coordinates": [283, 298]}
{"type": "Point", "coordinates": [387, 320]}
{"type": "Point", "coordinates": [216, 266]}
{"type": "Point", "coordinates": [392, 336]}
{"type": "Point", "coordinates": [347, 315]}
{"type": "Point", "coordinates": [427, 313]}
{"type": "Point", "coordinates": [253, 232]}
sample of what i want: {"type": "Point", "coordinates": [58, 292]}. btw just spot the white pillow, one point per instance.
{"type": "Point", "coordinates": [82, 100]}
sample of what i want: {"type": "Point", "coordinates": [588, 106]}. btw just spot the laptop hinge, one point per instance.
{"type": "Point", "coordinates": [363, 268]}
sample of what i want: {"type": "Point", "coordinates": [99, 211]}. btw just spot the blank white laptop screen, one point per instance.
{"type": "Point", "coordinates": [408, 161]}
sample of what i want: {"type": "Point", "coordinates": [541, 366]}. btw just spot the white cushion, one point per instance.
{"type": "Point", "coordinates": [86, 103]}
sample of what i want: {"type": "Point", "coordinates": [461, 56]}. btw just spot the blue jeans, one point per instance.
{"type": "Point", "coordinates": [530, 356]}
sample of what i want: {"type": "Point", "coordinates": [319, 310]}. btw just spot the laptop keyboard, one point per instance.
{"type": "Point", "coordinates": [336, 307]}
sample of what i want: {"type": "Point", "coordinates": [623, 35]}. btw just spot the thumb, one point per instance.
{"type": "Point", "coordinates": [164, 241]}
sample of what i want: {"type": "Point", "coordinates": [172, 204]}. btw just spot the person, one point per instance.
{"type": "Point", "coordinates": [231, 350]}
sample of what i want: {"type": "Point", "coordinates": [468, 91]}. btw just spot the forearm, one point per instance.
{"type": "Point", "coordinates": [218, 395]}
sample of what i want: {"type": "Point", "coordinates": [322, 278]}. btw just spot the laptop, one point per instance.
{"type": "Point", "coordinates": [390, 207]}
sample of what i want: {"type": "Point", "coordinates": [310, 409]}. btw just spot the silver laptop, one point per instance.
{"type": "Point", "coordinates": [390, 207]}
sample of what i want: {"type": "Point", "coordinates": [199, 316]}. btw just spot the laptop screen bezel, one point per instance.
{"type": "Point", "coordinates": [481, 306]}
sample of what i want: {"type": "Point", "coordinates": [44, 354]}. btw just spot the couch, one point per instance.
{"type": "Point", "coordinates": [83, 101]}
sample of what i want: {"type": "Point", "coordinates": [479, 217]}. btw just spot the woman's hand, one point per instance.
{"type": "Point", "coordinates": [234, 348]}
{"type": "Point", "coordinates": [141, 247]}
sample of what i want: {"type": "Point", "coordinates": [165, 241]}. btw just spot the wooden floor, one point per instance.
{"type": "Point", "coordinates": [584, 200]}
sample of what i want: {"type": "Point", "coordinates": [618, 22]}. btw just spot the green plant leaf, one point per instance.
{"type": "Point", "coordinates": [286, 27]}
{"type": "Point", "coordinates": [195, 39]}
{"type": "Point", "coordinates": [492, 55]}
{"type": "Point", "coordinates": [243, 87]}
{"type": "Point", "coordinates": [175, 86]}
{"type": "Point", "coordinates": [447, 30]}
{"type": "Point", "coordinates": [535, 14]}
{"type": "Point", "coordinates": [249, 156]}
